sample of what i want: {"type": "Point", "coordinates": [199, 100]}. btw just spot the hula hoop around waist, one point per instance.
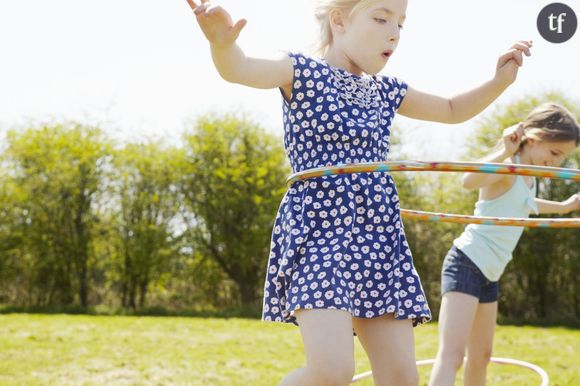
{"type": "Point", "coordinates": [473, 167]}
{"type": "Point", "coordinates": [420, 166]}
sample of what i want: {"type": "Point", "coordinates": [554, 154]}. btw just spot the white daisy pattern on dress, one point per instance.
{"type": "Point", "coordinates": [338, 241]}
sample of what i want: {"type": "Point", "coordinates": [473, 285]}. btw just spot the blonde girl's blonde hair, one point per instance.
{"type": "Point", "coordinates": [551, 122]}
{"type": "Point", "coordinates": [322, 12]}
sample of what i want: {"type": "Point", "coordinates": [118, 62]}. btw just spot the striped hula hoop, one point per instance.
{"type": "Point", "coordinates": [472, 167]}
{"type": "Point", "coordinates": [420, 166]}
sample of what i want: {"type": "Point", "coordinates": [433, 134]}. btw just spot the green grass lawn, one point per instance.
{"type": "Point", "coordinates": [104, 350]}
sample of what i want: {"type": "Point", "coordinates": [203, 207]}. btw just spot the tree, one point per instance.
{"type": "Point", "coordinates": [12, 260]}
{"type": "Point", "coordinates": [57, 170]}
{"type": "Point", "coordinates": [233, 184]}
{"type": "Point", "coordinates": [146, 228]}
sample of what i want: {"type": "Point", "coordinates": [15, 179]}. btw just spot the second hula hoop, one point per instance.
{"type": "Point", "coordinates": [545, 379]}
{"type": "Point", "coordinates": [501, 221]}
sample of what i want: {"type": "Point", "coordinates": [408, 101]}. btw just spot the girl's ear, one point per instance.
{"type": "Point", "coordinates": [337, 20]}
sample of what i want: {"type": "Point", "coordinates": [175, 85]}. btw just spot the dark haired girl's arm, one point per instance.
{"type": "Point", "coordinates": [570, 205]}
{"type": "Point", "coordinates": [511, 139]}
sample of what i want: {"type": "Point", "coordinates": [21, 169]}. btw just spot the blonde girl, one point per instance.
{"type": "Point", "coordinates": [339, 258]}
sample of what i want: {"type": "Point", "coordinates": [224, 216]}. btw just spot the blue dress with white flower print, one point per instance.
{"type": "Point", "coordinates": [338, 241]}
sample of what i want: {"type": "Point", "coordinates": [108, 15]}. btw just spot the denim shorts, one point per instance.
{"type": "Point", "coordinates": [460, 274]}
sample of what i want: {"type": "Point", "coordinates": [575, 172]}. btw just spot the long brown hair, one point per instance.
{"type": "Point", "coordinates": [553, 123]}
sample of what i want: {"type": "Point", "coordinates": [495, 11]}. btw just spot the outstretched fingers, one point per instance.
{"type": "Point", "coordinates": [516, 53]}
{"type": "Point", "coordinates": [512, 54]}
{"type": "Point", "coordinates": [523, 46]}
{"type": "Point", "coordinates": [199, 8]}
{"type": "Point", "coordinates": [517, 56]}
{"type": "Point", "coordinates": [237, 28]}
{"type": "Point", "coordinates": [216, 23]}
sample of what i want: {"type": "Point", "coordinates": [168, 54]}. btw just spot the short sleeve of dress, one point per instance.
{"type": "Point", "coordinates": [305, 71]}
{"type": "Point", "coordinates": [394, 90]}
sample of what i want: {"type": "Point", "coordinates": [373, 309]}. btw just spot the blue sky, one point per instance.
{"type": "Point", "coordinates": [143, 69]}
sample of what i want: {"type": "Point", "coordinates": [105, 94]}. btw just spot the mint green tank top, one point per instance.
{"type": "Point", "coordinates": [490, 247]}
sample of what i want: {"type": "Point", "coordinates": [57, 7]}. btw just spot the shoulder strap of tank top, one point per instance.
{"type": "Point", "coordinates": [531, 190]}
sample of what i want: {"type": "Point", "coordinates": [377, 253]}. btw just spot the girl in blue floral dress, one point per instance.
{"type": "Point", "coordinates": [339, 258]}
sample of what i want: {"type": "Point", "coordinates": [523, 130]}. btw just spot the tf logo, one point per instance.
{"type": "Point", "coordinates": [557, 22]}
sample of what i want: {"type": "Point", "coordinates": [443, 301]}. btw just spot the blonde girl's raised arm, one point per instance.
{"type": "Point", "coordinates": [424, 106]}
{"type": "Point", "coordinates": [235, 67]}
{"type": "Point", "coordinates": [229, 59]}
{"type": "Point", "coordinates": [429, 107]}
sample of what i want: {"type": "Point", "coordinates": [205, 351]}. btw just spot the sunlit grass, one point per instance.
{"type": "Point", "coordinates": [99, 350]}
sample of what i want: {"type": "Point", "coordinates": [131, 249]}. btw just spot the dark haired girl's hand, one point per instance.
{"type": "Point", "coordinates": [573, 203]}
{"type": "Point", "coordinates": [512, 139]}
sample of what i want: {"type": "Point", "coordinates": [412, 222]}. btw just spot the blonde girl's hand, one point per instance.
{"type": "Point", "coordinates": [509, 63]}
{"type": "Point", "coordinates": [216, 23]}
{"type": "Point", "coordinates": [573, 203]}
{"type": "Point", "coordinates": [512, 138]}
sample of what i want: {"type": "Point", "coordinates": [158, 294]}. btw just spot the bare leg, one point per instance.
{"type": "Point", "coordinates": [389, 344]}
{"type": "Point", "coordinates": [329, 347]}
{"type": "Point", "coordinates": [479, 346]}
{"type": "Point", "coordinates": [455, 320]}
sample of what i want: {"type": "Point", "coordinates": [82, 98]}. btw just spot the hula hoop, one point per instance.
{"type": "Point", "coordinates": [501, 221]}
{"type": "Point", "coordinates": [420, 166]}
{"type": "Point", "coordinates": [504, 361]}
{"type": "Point", "coordinates": [473, 167]}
